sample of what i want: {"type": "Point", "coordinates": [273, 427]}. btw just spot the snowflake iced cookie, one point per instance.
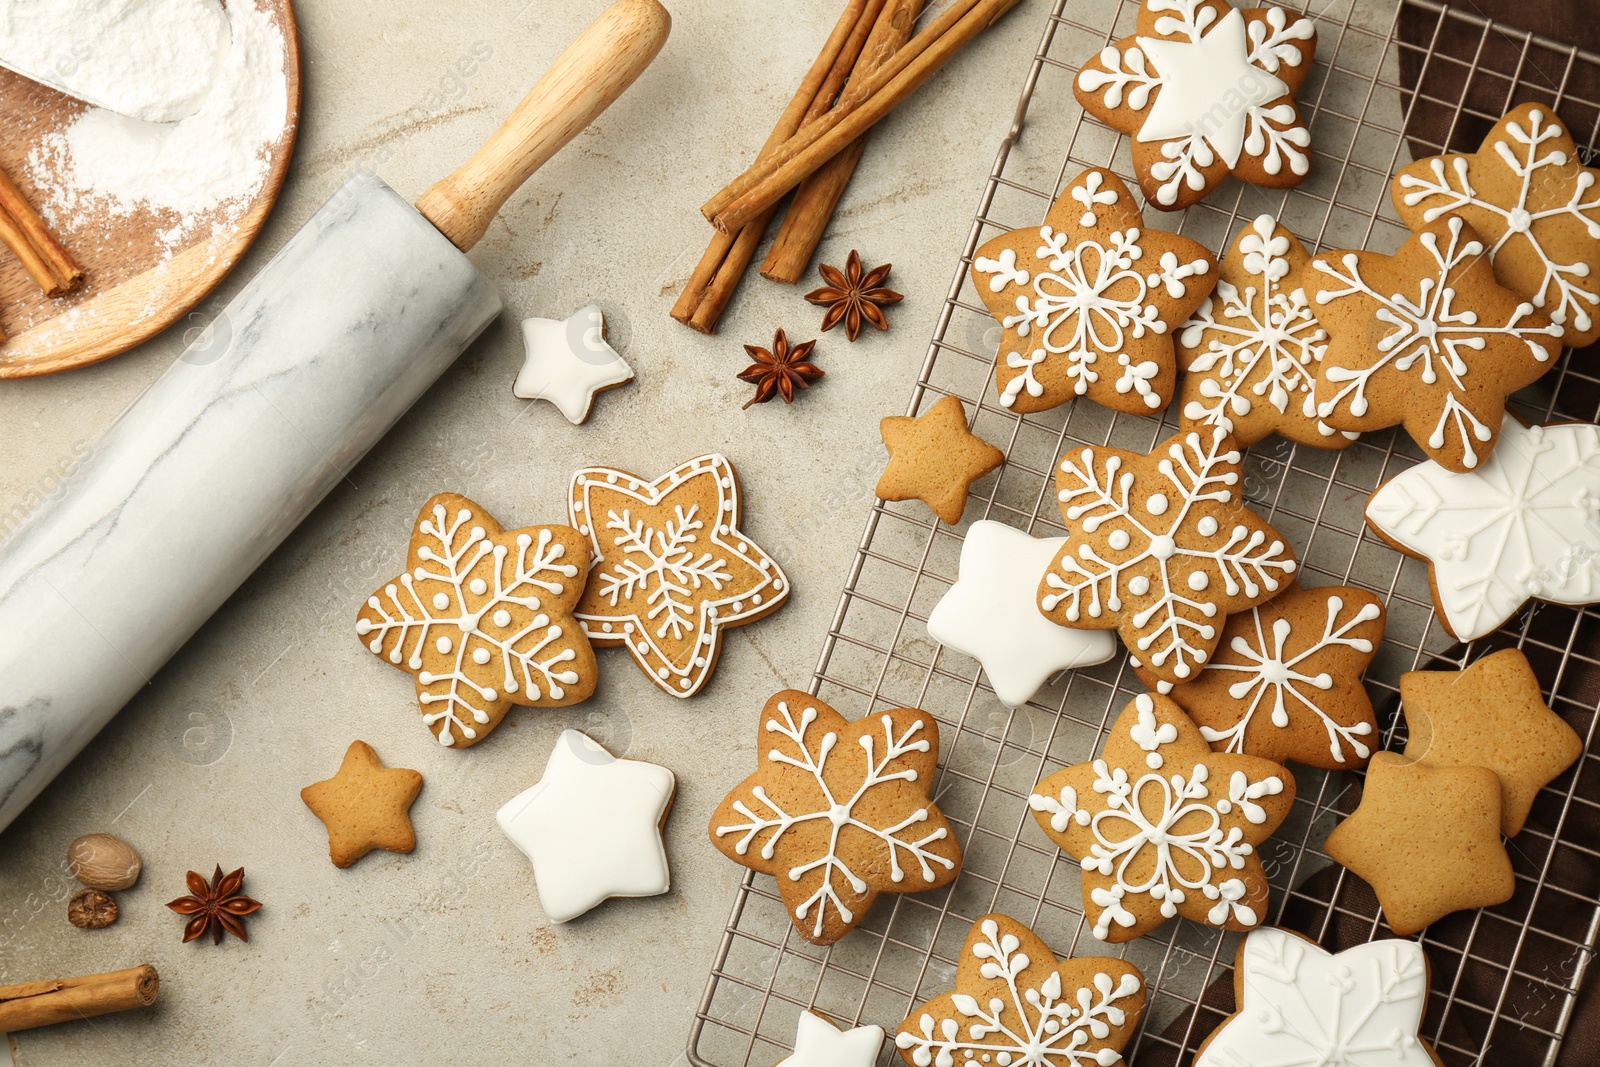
{"type": "Point", "coordinates": [838, 812]}
{"type": "Point", "coordinates": [1250, 354]}
{"type": "Point", "coordinates": [934, 458]}
{"type": "Point", "coordinates": [1524, 525]}
{"type": "Point", "coordinates": [568, 361]}
{"type": "Point", "coordinates": [1164, 826]}
{"type": "Point", "coordinates": [1426, 339]}
{"type": "Point", "coordinates": [1536, 206]}
{"type": "Point", "coordinates": [482, 619]}
{"type": "Point", "coordinates": [672, 569]}
{"type": "Point", "coordinates": [1015, 1003]}
{"type": "Point", "coordinates": [1297, 1004]}
{"type": "Point", "coordinates": [1161, 548]}
{"type": "Point", "coordinates": [1089, 301]}
{"type": "Point", "coordinates": [1205, 90]}
{"type": "Point", "coordinates": [818, 1043]}
{"type": "Point", "coordinates": [1285, 683]}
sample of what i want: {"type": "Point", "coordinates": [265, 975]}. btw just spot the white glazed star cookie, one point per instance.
{"type": "Point", "coordinates": [568, 361]}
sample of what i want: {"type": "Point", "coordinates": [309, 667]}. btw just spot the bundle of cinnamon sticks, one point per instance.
{"type": "Point", "coordinates": [868, 65]}
{"type": "Point", "coordinates": [22, 230]}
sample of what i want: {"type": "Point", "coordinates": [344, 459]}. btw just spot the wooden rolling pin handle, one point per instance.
{"type": "Point", "coordinates": [583, 82]}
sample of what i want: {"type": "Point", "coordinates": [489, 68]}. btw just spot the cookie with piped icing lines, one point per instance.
{"type": "Point", "coordinates": [1426, 339]}
{"type": "Point", "coordinates": [1163, 826]}
{"type": "Point", "coordinates": [1161, 548]}
{"type": "Point", "coordinates": [1525, 525]}
{"type": "Point", "coordinates": [1089, 301]}
{"type": "Point", "coordinates": [672, 568]}
{"type": "Point", "coordinates": [1206, 90]}
{"type": "Point", "coordinates": [1536, 206]}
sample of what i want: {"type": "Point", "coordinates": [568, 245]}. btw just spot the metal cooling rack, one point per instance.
{"type": "Point", "coordinates": [1505, 981]}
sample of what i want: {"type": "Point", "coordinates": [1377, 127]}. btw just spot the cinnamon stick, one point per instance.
{"type": "Point", "coordinates": [35, 1004]}
{"type": "Point", "coordinates": [817, 197]}
{"type": "Point", "coordinates": [30, 240]}
{"type": "Point", "coordinates": [765, 182]}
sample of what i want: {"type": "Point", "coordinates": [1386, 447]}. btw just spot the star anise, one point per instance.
{"type": "Point", "coordinates": [219, 906]}
{"type": "Point", "coordinates": [777, 372]}
{"type": "Point", "coordinates": [851, 297]}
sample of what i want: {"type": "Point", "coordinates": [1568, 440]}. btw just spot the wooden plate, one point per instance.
{"type": "Point", "coordinates": [136, 287]}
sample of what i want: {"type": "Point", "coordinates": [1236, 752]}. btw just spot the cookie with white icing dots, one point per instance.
{"type": "Point", "coordinates": [1426, 339]}
{"type": "Point", "coordinates": [1250, 354]}
{"type": "Point", "coordinates": [1285, 682]}
{"type": "Point", "coordinates": [1205, 91]}
{"type": "Point", "coordinates": [482, 619]}
{"type": "Point", "coordinates": [1161, 548]}
{"type": "Point", "coordinates": [672, 569]}
{"type": "Point", "coordinates": [1164, 826]}
{"type": "Point", "coordinates": [1090, 300]}
{"type": "Point", "coordinates": [838, 812]}
{"type": "Point", "coordinates": [1520, 527]}
{"type": "Point", "coordinates": [1014, 1002]}
{"type": "Point", "coordinates": [1536, 206]}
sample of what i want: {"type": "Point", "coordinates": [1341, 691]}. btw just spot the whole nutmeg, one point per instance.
{"type": "Point", "coordinates": [101, 861]}
{"type": "Point", "coordinates": [91, 910]}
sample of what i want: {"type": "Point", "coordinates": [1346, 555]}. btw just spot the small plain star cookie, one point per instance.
{"type": "Point", "coordinates": [934, 458]}
{"type": "Point", "coordinates": [365, 806]}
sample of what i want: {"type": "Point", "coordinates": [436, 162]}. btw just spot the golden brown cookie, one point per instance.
{"type": "Point", "coordinates": [1490, 715]}
{"type": "Point", "coordinates": [934, 458]}
{"type": "Point", "coordinates": [838, 812]}
{"type": "Point", "coordinates": [1427, 839]}
{"type": "Point", "coordinates": [1164, 826]}
{"type": "Point", "coordinates": [1536, 206]}
{"type": "Point", "coordinates": [1161, 548]}
{"type": "Point", "coordinates": [1426, 339]}
{"type": "Point", "coordinates": [365, 806]}
{"type": "Point", "coordinates": [482, 619]}
{"type": "Point", "coordinates": [672, 569]}
{"type": "Point", "coordinates": [1285, 682]}
{"type": "Point", "coordinates": [1090, 300]}
{"type": "Point", "coordinates": [1014, 1002]}
{"type": "Point", "coordinates": [1205, 91]}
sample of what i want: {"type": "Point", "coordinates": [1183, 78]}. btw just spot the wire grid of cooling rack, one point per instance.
{"type": "Point", "coordinates": [1504, 980]}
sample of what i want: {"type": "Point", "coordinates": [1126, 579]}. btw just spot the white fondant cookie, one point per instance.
{"type": "Point", "coordinates": [568, 361]}
{"type": "Point", "coordinates": [818, 1043]}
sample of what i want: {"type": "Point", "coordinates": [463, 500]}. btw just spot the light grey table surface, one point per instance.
{"type": "Point", "coordinates": [445, 956]}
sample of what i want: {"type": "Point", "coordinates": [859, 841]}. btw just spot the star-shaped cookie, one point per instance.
{"type": "Point", "coordinates": [1525, 524]}
{"type": "Point", "coordinates": [1164, 826]}
{"type": "Point", "coordinates": [591, 827]}
{"type": "Point", "coordinates": [672, 569]}
{"type": "Point", "coordinates": [1089, 301]}
{"type": "Point", "coordinates": [365, 806]}
{"type": "Point", "coordinates": [1427, 839]}
{"type": "Point", "coordinates": [1426, 339]}
{"type": "Point", "coordinates": [1161, 548]}
{"type": "Point", "coordinates": [992, 614]}
{"type": "Point", "coordinates": [1490, 715]}
{"type": "Point", "coordinates": [1537, 207]}
{"type": "Point", "coordinates": [1285, 682]}
{"type": "Point", "coordinates": [1205, 90]}
{"type": "Point", "coordinates": [482, 619]}
{"type": "Point", "coordinates": [1015, 1003]}
{"type": "Point", "coordinates": [818, 1043]}
{"type": "Point", "coordinates": [568, 361]}
{"type": "Point", "coordinates": [838, 812]}
{"type": "Point", "coordinates": [934, 458]}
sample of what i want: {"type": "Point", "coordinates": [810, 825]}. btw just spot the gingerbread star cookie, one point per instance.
{"type": "Point", "coordinates": [365, 806]}
{"type": "Point", "coordinates": [1161, 548]}
{"type": "Point", "coordinates": [1536, 206]}
{"type": "Point", "coordinates": [1206, 91]}
{"type": "Point", "coordinates": [482, 619]}
{"type": "Point", "coordinates": [1426, 339]}
{"type": "Point", "coordinates": [934, 458]}
{"type": "Point", "coordinates": [839, 812]}
{"type": "Point", "coordinates": [1089, 301]}
{"type": "Point", "coordinates": [1490, 715]}
{"type": "Point", "coordinates": [1164, 826]}
{"type": "Point", "coordinates": [1427, 839]}
{"type": "Point", "coordinates": [1014, 1002]}
{"type": "Point", "coordinates": [1285, 682]}
{"type": "Point", "coordinates": [1250, 354]}
{"type": "Point", "coordinates": [672, 569]}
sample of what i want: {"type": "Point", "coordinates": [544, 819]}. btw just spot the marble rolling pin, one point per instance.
{"type": "Point", "coordinates": [225, 454]}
